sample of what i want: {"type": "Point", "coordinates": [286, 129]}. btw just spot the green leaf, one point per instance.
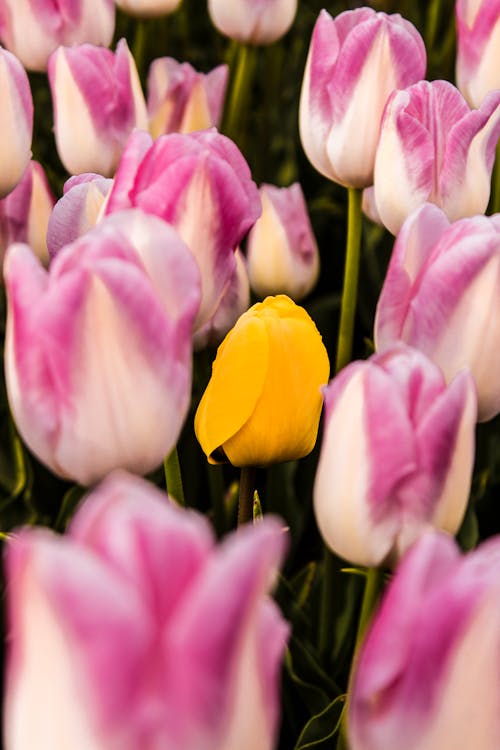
{"type": "Point", "coordinates": [321, 728]}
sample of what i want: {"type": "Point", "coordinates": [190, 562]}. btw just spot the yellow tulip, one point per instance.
{"type": "Point", "coordinates": [263, 402]}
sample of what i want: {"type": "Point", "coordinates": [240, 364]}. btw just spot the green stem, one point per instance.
{"type": "Point", "coordinates": [240, 90]}
{"type": "Point", "coordinates": [431, 24]}
{"type": "Point", "coordinates": [351, 273]}
{"type": "Point", "coordinates": [217, 492]}
{"type": "Point", "coordinates": [247, 486]}
{"type": "Point", "coordinates": [330, 572]}
{"type": "Point", "coordinates": [173, 478]}
{"type": "Point", "coordinates": [139, 45]}
{"type": "Point", "coordinates": [495, 185]}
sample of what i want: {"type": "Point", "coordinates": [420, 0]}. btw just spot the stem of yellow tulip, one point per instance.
{"type": "Point", "coordinates": [247, 487]}
{"type": "Point", "coordinates": [351, 273]}
{"type": "Point", "coordinates": [240, 90]}
{"type": "Point", "coordinates": [217, 492]}
{"type": "Point", "coordinates": [495, 185]}
{"type": "Point", "coordinates": [173, 478]}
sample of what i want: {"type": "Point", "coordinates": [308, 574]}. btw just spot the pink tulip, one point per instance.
{"type": "Point", "coordinates": [181, 100]}
{"type": "Point", "coordinates": [16, 122]}
{"type": "Point", "coordinates": [148, 8]}
{"type": "Point", "coordinates": [136, 632]}
{"type": "Point", "coordinates": [478, 48]}
{"type": "Point", "coordinates": [355, 61]}
{"type": "Point", "coordinates": [32, 29]}
{"type": "Point", "coordinates": [253, 21]}
{"type": "Point", "coordinates": [201, 184]}
{"type": "Point", "coordinates": [396, 456]}
{"type": "Point", "coordinates": [24, 213]}
{"type": "Point", "coordinates": [98, 362]}
{"type": "Point", "coordinates": [282, 253]}
{"type": "Point", "coordinates": [78, 210]}
{"type": "Point", "coordinates": [98, 101]}
{"type": "Point", "coordinates": [433, 148]}
{"type": "Point", "coordinates": [427, 674]}
{"type": "Point", "coordinates": [442, 296]}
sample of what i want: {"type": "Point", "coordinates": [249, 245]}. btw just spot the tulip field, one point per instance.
{"type": "Point", "coordinates": [249, 408]}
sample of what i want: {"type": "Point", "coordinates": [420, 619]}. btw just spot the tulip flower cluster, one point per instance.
{"type": "Point", "coordinates": [213, 538]}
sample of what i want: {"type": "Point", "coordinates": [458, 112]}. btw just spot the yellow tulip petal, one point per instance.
{"type": "Point", "coordinates": [238, 376]}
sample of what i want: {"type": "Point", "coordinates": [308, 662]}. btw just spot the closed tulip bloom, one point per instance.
{"type": "Point", "coordinates": [32, 29]}
{"type": "Point", "coordinates": [428, 668]}
{"type": "Point", "coordinates": [355, 61]}
{"type": "Point", "coordinates": [434, 148]}
{"type": "Point", "coordinates": [201, 184]}
{"type": "Point", "coordinates": [181, 100]}
{"type": "Point", "coordinates": [136, 631]}
{"type": "Point", "coordinates": [396, 456]}
{"type": "Point", "coordinates": [281, 250]}
{"type": "Point", "coordinates": [442, 295]}
{"type": "Point", "coordinates": [16, 121]}
{"type": "Point", "coordinates": [97, 101]}
{"type": "Point", "coordinates": [263, 402]}
{"type": "Point", "coordinates": [25, 212]}
{"type": "Point", "coordinates": [148, 8]}
{"type": "Point", "coordinates": [83, 336]}
{"type": "Point", "coordinates": [78, 210]}
{"type": "Point", "coordinates": [478, 48]}
{"type": "Point", "coordinates": [253, 21]}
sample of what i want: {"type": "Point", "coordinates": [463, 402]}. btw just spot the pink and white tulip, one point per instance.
{"type": "Point", "coordinates": [282, 253]}
{"type": "Point", "coordinates": [97, 362]}
{"type": "Point", "coordinates": [148, 8]}
{"type": "Point", "coordinates": [181, 100]}
{"type": "Point", "coordinates": [442, 295]}
{"type": "Point", "coordinates": [32, 29]}
{"type": "Point", "coordinates": [201, 184]}
{"type": "Point", "coordinates": [98, 102]}
{"type": "Point", "coordinates": [78, 210]}
{"type": "Point", "coordinates": [25, 212]}
{"type": "Point", "coordinates": [355, 61]}
{"type": "Point", "coordinates": [253, 21]}
{"type": "Point", "coordinates": [428, 670]}
{"type": "Point", "coordinates": [396, 456]}
{"type": "Point", "coordinates": [136, 631]}
{"type": "Point", "coordinates": [434, 148]}
{"type": "Point", "coordinates": [16, 122]}
{"type": "Point", "coordinates": [478, 48]}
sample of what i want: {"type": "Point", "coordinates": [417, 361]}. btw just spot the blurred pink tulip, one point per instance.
{"type": "Point", "coordinates": [396, 456]}
{"type": "Point", "coordinates": [32, 29]}
{"type": "Point", "coordinates": [16, 122]}
{"type": "Point", "coordinates": [78, 210]}
{"type": "Point", "coordinates": [201, 184]}
{"type": "Point", "coordinates": [355, 61]}
{"type": "Point", "coordinates": [253, 21]}
{"type": "Point", "coordinates": [136, 632]}
{"type": "Point", "coordinates": [97, 101]}
{"type": "Point", "coordinates": [433, 148]}
{"type": "Point", "coordinates": [96, 353]}
{"type": "Point", "coordinates": [24, 213]}
{"type": "Point", "coordinates": [478, 48]}
{"type": "Point", "coordinates": [148, 8]}
{"type": "Point", "coordinates": [181, 100]}
{"type": "Point", "coordinates": [442, 296]}
{"type": "Point", "coordinates": [427, 675]}
{"type": "Point", "coordinates": [282, 253]}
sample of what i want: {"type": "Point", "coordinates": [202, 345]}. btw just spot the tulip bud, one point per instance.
{"type": "Point", "coordinates": [148, 8]}
{"type": "Point", "coordinates": [109, 649]}
{"type": "Point", "coordinates": [97, 102]}
{"type": "Point", "coordinates": [428, 668]}
{"type": "Point", "coordinates": [16, 122]}
{"type": "Point", "coordinates": [440, 295]}
{"type": "Point", "coordinates": [24, 213]}
{"type": "Point", "coordinates": [32, 30]}
{"type": "Point", "coordinates": [281, 250]}
{"type": "Point", "coordinates": [263, 402]}
{"type": "Point", "coordinates": [478, 48]}
{"type": "Point", "coordinates": [182, 100]}
{"type": "Point", "coordinates": [82, 336]}
{"type": "Point", "coordinates": [78, 210]}
{"type": "Point", "coordinates": [201, 184]}
{"type": "Point", "coordinates": [435, 149]}
{"type": "Point", "coordinates": [396, 456]}
{"type": "Point", "coordinates": [355, 61]}
{"type": "Point", "coordinates": [252, 22]}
